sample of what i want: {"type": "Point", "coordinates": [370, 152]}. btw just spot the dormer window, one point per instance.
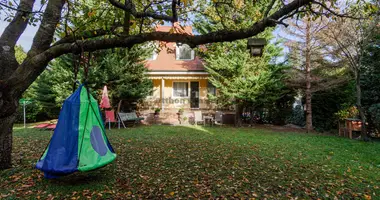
{"type": "Point", "coordinates": [184, 52]}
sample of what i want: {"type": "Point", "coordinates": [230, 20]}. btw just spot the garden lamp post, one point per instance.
{"type": "Point", "coordinates": [256, 46]}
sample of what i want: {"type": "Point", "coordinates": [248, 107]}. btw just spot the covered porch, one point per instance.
{"type": "Point", "coordinates": [185, 90]}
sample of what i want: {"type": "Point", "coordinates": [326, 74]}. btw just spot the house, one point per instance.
{"type": "Point", "coordinates": [179, 78]}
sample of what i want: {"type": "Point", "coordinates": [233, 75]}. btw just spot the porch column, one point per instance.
{"type": "Point", "coordinates": [162, 93]}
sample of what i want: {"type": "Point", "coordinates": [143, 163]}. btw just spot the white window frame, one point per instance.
{"type": "Point", "coordinates": [188, 89]}
{"type": "Point", "coordinates": [177, 56]}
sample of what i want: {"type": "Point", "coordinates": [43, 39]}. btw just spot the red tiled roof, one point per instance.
{"type": "Point", "coordinates": [166, 58]}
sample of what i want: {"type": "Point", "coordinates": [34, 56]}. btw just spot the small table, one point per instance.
{"type": "Point", "coordinates": [209, 118]}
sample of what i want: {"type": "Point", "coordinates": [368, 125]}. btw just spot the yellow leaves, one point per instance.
{"type": "Point", "coordinates": [349, 170]}
{"type": "Point", "coordinates": [91, 13]}
{"type": "Point", "coordinates": [171, 193]}
{"type": "Point", "coordinates": [367, 197]}
{"type": "Point", "coordinates": [134, 25]}
{"type": "Point", "coordinates": [239, 3]}
{"type": "Point", "coordinates": [187, 2]}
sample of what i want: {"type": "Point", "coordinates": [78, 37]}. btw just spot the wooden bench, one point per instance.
{"type": "Point", "coordinates": [130, 117]}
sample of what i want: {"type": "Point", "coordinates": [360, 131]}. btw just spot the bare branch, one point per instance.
{"type": "Point", "coordinates": [332, 12]}
{"type": "Point", "coordinates": [280, 22]}
{"type": "Point", "coordinates": [132, 9]}
{"type": "Point", "coordinates": [19, 9]}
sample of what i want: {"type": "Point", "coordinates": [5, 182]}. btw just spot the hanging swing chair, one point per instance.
{"type": "Point", "coordinates": [79, 142]}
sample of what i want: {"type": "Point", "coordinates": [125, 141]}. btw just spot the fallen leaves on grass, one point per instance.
{"type": "Point", "coordinates": [180, 162]}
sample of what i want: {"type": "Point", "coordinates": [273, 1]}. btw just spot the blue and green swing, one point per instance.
{"type": "Point", "coordinates": [79, 142]}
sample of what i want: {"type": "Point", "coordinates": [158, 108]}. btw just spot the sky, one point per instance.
{"type": "Point", "coordinates": [26, 38]}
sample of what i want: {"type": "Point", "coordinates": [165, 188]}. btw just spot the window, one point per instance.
{"type": "Point", "coordinates": [211, 89]}
{"type": "Point", "coordinates": [180, 89]}
{"type": "Point", "coordinates": [184, 52]}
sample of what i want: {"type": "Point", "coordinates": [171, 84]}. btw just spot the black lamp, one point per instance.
{"type": "Point", "coordinates": [256, 46]}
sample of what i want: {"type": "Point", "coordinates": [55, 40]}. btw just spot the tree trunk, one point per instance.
{"type": "Point", "coordinates": [251, 121]}
{"type": "Point", "coordinates": [360, 107]}
{"type": "Point", "coordinates": [238, 113]}
{"type": "Point", "coordinates": [309, 116]}
{"type": "Point", "coordinates": [6, 125]}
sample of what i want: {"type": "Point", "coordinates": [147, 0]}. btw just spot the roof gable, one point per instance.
{"type": "Point", "coordinates": [166, 58]}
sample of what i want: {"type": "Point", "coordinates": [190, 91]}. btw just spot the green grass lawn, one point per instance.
{"type": "Point", "coordinates": [199, 162]}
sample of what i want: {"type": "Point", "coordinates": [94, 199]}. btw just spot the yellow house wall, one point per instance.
{"type": "Point", "coordinates": [177, 102]}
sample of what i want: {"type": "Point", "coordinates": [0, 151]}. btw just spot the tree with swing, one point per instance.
{"type": "Point", "coordinates": [129, 23]}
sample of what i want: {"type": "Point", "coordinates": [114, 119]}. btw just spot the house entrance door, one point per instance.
{"type": "Point", "coordinates": [194, 95]}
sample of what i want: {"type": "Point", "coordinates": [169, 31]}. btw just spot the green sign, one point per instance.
{"type": "Point", "coordinates": [25, 101]}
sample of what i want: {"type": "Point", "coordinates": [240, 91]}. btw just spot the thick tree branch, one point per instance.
{"type": "Point", "coordinates": [132, 9]}
{"type": "Point", "coordinates": [280, 22]}
{"type": "Point", "coordinates": [31, 68]}
{"type": "Point", "coordinates": [9, 38]}
{"type": "Point", "coordinates": [45, 33]}
{"type": "Point", "coordinates": [18, 25]}
{"type": "Point", "coordinates": [269, 8]}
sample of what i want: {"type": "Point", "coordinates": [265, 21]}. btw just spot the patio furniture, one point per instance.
{"type": "Point", "coordinates": [218, 117]}
{"type": "Point", "coordinates": [208, 118]}
{"type": "Point", "coordinates": [110, 118]}
{"type": "Point", "coordinates": [130, 117]}
{"type": "Point", "coordinates": [198, 117]}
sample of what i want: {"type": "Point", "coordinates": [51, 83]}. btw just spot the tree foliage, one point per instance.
{"type": "Point", "coordinates": [123, 72]}
{"type": "Point", "coordinates": [106, 27]}
{"type": "Point", "coordinates": [327, 103]}
{"type": "Point", "coordinates": [242, 81]}
{"type": "Point", "coordinates": [370, 81]}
